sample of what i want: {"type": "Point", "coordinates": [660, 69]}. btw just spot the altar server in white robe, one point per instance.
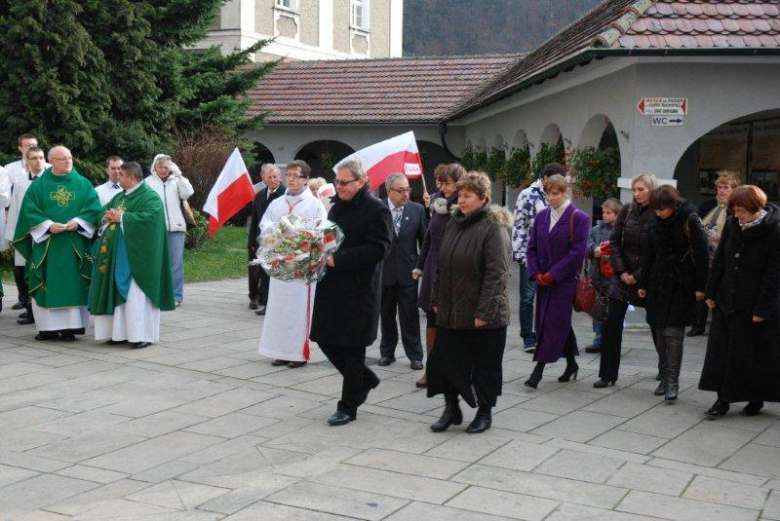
{"type": "Point", "coordinates": [20, 182]}
{"type": "Point", "coordinates": [285, 334]}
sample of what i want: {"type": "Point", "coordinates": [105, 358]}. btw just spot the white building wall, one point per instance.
{"type": "Point", "coordinates": [718, 89]}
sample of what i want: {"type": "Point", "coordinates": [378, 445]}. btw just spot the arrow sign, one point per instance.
{"type": "Point", "coordinates": [663, 106]}
{"type": "Point", "coordinates": [664, 121]}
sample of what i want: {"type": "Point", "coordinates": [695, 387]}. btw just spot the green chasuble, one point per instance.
{"type": "Point", "coordinates": [58, 268]}
{"type": "Point", "coordinates": [138, 249]}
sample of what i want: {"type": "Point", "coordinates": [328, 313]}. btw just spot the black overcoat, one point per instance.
{"type": "Point", "coordinates": [626, 247]}
{"type": "Point", "coordinates": [347, 300]}
{"type": "Point", "coordinates": [260, 204]}
{"type": "Point", "coordinates": [676, 263]}
{"type": "Point", "coordinates": [743, 357]}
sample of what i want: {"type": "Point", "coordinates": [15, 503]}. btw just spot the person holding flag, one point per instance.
{"type": "Point", "coordinates": [285, 335]}
{"type": "Point", "coordinates": [131, 280]}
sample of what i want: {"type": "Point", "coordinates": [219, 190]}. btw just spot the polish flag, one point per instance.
{"type": "Point", "coordinates": [232, 191]}
{"type": "Point", "coordinates": [398, 154]}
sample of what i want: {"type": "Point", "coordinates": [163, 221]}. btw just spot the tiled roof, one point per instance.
{"type": "Point", "coordinates": [639, 25]}
{"type": "Point", "coordinates": [408, 90]}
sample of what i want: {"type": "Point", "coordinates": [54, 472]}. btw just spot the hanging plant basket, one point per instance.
{"type": "Point", "coordinates": [596, 171]}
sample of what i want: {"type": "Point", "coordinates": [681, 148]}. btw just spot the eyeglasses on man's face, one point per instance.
{"type": "Point", "coordinates": [401, 190]}
{"type": "Point", "coordinates": [345, 183]}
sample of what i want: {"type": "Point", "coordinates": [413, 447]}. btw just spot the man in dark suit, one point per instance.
{"type": "Point", "coordinates": [399, 289]}
{"type": "Point", "coordinates": [346, 304]}
{"type": "Point", "coordinates": [258, 278]}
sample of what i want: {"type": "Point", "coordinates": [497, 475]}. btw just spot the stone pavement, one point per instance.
{"type": "Point", "coordinates": [199, 427]}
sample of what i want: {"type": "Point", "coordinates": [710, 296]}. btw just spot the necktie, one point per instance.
{"type": "Point", "coordinates": [398, 212]}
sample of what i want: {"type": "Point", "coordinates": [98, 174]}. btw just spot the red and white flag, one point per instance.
{"type": "Point", "coordinates": [232, 191]}
{"type": "Point", "coordinates": [397, 154]}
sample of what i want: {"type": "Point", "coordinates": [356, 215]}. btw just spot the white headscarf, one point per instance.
{"type": "Point", "coordinates": [173, 167]}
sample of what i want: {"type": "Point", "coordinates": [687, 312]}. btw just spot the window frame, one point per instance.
{"type": "Point", "coordinates": [364, 6]}
{"type": "Point", "coordinates": [292, 8]}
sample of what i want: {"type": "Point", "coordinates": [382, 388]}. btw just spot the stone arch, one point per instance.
{"type": "Point", "coordinates": [262, 156]}
{"type": "Point", "coordinates": [520, 139]}
{"type": "Point", "coordinates": [432, 155]}
{"type": "Point", "coordinates": [322, 155]}
{"type": "Point", "coordinates": [551, 134]}
{"type": "Point", "coordinates": [746, 145]}
{"type": "Point", "coordinates": [599, 133]}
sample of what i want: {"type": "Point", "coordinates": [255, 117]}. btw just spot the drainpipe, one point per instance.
{"type": "Point", "coordinates": [443, 139]}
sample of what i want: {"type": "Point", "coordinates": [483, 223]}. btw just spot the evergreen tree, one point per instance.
{"type": "Point", "coordinates": [116, 77]}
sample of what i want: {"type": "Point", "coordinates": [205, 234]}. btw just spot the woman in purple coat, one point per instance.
{"type": "Point", "coordinates": [556, 251]}
{"type": "Point", "coordinates": [447, 177]}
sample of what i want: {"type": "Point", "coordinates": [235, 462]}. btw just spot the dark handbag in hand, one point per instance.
{"type": "Point", "coordinates": [584, 293]}
{"type": "Point", "coordinates": [599, 310]}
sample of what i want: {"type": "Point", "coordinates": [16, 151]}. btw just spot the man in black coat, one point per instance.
{"type": "Point", "coordinates": [399, 289]}
{"type": "Point", "coordinates": [346, 305]}
{"type": "Point", "coordinates": [258, 278]}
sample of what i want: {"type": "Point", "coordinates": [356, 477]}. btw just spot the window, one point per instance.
{"type": "Point", "coordinates": [288, 5]}
{"type": "Point", "coordinates": [360, 14]}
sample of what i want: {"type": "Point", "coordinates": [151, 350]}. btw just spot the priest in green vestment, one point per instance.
{"type": "Point", "coordinates": [59, 215]}
{"type": "Point", "coordinates": [131, 280]}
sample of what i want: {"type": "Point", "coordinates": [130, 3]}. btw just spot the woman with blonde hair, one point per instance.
{"type": "Point", "coordinates": [714, 214]}
{"type": "Point", "coordinates": [174, 189]}
{"type": "Point", "coordinates": [626, 251]}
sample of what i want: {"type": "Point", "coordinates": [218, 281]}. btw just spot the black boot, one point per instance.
{"type": "Point", "coordinates": [663, 365]}
{"type": "Point", "coordinates": [450, 416]}
{"type": "Point", "coordinates": [482, 420]}
{"type": "Point", "coordinates": [752, 408]}
{"type": "Point", "coordinates": [571, 363]}
{"type": "Point", "coordinates": [674, 347]}
{"type": "Point", "coordinates": [718, 409]}
{"type": "Point", "coordinates": [29, 318]}
{"type": "Point", "coordinates": [536, 376]}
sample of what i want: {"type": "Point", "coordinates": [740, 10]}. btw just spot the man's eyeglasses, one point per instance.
{"type": "Point", "coordinates": [293, 176]}
{"type": "Point", "coordinates": [345, 183]}
{"type": "Point", "coordinates": [402, 190]}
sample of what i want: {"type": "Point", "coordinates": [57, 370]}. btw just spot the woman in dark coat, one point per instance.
{"type": "Point", "coordinates": [447, 177]}
{"type": "Point", "coordinates": [676, 262]}
{"type": "Point", "coordinates": [470, 299]}
{"type": "Point", "coordinates": [626, 247]}
{"type": "Point", "coordinates": [743, 290]}
{"type": "Point", "coordinates": [556, 251]}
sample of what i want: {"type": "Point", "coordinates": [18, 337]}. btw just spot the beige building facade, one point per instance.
{"type": "Point", "coordinates": [311, 29]}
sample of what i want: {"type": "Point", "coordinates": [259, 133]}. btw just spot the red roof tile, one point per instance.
{"type": "Point", "coordinates": [421, 90]}
{"type": "Point", "coordinates": [645, 24]}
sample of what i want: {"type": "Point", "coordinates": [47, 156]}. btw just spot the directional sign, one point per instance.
{"type": "Point", "coordinates": [666, 121]}
{"type": "Point", "coordinates": [663, 106]}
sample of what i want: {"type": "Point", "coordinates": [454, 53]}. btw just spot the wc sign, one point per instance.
{"type": "Point", "coordinates": [666, 121]}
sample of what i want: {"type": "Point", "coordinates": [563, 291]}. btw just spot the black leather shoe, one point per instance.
{"type": "Point", "coordinates": [116, 342]}
{"type": "Point", "coordinates": [661, 389]}
{"type": "Point", "coordinates": [385, 360]}
{"type": "Point", "coordinates": [601, 383]}
{"type": "Point", "coordinates": [752, 408]}
{"type": "Point", "coordinates": [46, 335]}
{"type": "Point", "coordinates": [296, 365]}
{"type": "Point", "coordinates": [695, 331]}
{"type": "Point", "coordinates": [593, 349]}
{"type": "Point", "coordinates": [450, 416]}
{"type": "Point", "coordinates": [260, 311]}
{"type": "Point", "coordinates": [340, 418]}
{"type": "Point", "coordinates": [363, 396]}
{"type": "Point", "coordinates": [717, 410]}
{"type": "Point", "coordinates": [24, 315]}
{"type": "Point", "coordinates": [254, 304]}
{"type": "Point", "coordinates": [279, 362]}
{"type": "Point", "coordinates": [17, 306]}
{"type": "Point", "coordinates": [141, 345]}
{"type": "Point", "coordinates": [417, 365]}
{"type": "Point", "coordinates": [25, 321]}
{"type": "Point", "coordinates": [481, 422]}
{"type": "Point", "coordinates": [68, 337]}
